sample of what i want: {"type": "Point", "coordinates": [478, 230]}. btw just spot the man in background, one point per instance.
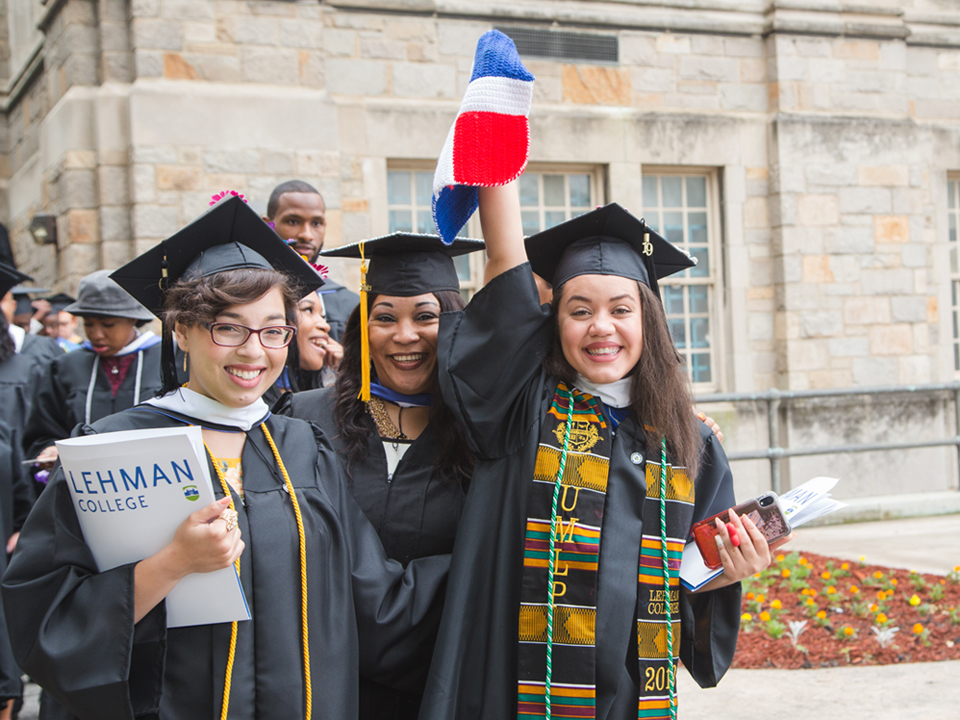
{"type": "Point", "coordinates": [298, 214]}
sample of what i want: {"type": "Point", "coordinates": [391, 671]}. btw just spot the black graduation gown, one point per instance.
{"type": "Point", "coordinates": [492, 378]}
{"type": "Point", "coordinates": [16, 499]}
{"type": "Point", "coordinates": [20, 376]}
{"type": "Point", "coordinates": [72, 628]}
{"type": "Point", "coordinates": [415, 514]}
{"type": "Point", "coordinates": [62, 395]}
{"type": "Point", "coordinates": [41, 348]}
{"type": "Point", "coordinates": [338, 302]}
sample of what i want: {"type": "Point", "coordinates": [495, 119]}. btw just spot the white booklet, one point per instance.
{"type": "Point", "coordinates": [799, 505]}
{"type": "Point", "coordinates": [131, 490]}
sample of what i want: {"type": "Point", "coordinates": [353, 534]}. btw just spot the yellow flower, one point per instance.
{"type": "Point", "coordinates": [803, 561]}
{"type": "Point", "coordinates": [848, 631]}
{"type": "Point", "coordinates": [914, 601]}
{"type": "Point", "coordinates": [750, 596]}
{"type": "Point", "coordinates": [881, 595]}
{"type": "Point", "coordinates": [811, 601]}
{"type": "Point", "coordinates": [765, 616]}
{"type": "Point", "coordinates": [893, 581]}
{"type": "Point", "coordinates": [881, 618]}
{"type": "Point", "coordinates": [780, 558]}
{"type": "Point", "coordinates": [918, 629]}
{"type": "Point", "coordinates": [831, 590]}
{"type": "Point", "coordinates": [854, 589]}
{"type": "Point", "coordinates": [874, 607]}
{"type": "Point", "coordinates": [878, 574]}
{"type": "Point", "coordinates": [776, 605]}
{"type": "Point", "coordinates": [845, 566]}
{"type": "Point", "coordinates": [862, 558]}
{"type": "Point", "coordinates": [785, 572]}
{"type": "Point", "coordinates": [956, 568]}
{"type": "Point", "coordinates": [761, 597]}
{"type": "Point", "coordinates": [913, 572]}
{"type": "Point", "coordinates": [825, 575]}
{"type": "Point", "coordinates": [746, 617]}
{"type": "Point", "coordinates": [822, 614]}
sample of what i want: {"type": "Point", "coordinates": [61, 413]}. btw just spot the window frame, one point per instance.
{"type": "Point", "coordinates": [715, 281]}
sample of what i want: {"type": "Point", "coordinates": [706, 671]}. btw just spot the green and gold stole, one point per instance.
{"type": "Point", "coordinates": [569, 650]}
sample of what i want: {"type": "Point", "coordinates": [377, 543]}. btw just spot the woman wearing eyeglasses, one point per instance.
{"type": "Point", "coordinates": [325, 603]}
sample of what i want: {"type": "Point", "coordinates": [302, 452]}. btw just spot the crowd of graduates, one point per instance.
{"type": "Point", "coordinates": [437, 509]}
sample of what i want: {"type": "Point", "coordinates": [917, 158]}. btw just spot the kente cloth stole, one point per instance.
{"type": "Point", "coordinates": [577, 550]}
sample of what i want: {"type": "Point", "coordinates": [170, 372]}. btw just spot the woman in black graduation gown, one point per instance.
{"type": "Point", "coordinates": [98, 642]}
{"type": "Point", "coordinates": [405, 457]}
{"type": "Point", "coordinates": [509, 369]}
{"type": "Point", "coordinates": [117, 367]}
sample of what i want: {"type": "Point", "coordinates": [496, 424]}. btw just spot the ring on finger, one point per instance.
{"type": "Point", "coordinates": [230, 518]}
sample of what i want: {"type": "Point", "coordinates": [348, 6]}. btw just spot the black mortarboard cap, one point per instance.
{"type": "Point", "coordinates": [10, 277]}
{"type": "Point", "coordinates": [408, 264]}
{"type": "Point", "coordinates": [229, 236]}
{"type": "Point", "coordinates": [59, 301]}
{"type": "Point", "coordinates": [606, 241]}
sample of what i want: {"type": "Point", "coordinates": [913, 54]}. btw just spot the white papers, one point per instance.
{"type": "Point", "coordinates": [800, 505]}
{"type": "Point", "coordinates": [131, 490]}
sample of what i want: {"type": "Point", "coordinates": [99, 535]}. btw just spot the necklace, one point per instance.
{"type": "Point", "coordinates": [385, 426]}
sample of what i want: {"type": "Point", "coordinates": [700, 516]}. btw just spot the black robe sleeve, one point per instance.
{"type": "Point", "coordinates": [711, 620]}
{"type": "Point", "coordinates": [46, 423]}
{"type": "Point", "coordinates": [74, 632]}
{"type": "Point", "coordinates": [485, 372]}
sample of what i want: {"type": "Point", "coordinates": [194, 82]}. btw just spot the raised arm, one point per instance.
{"type": "Point", "coordinates": [502, 229]}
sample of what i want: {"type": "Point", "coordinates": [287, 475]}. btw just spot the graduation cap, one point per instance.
{"type": "Point", "coordinates": [228, 236]}
{"type": "Point", "coordinates": [10, 277]}
{"type": "Point", "coordinates": [403, 265]}
{"type": "Point", "coordinates": [606, 241]}
{"type": "Point", "coordinates": [60, 301]}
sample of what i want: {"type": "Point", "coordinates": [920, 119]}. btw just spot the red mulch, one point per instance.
{"type": "Point", "coordinates": [929, 628]}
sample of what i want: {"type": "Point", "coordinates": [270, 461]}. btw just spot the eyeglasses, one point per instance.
{"type": "Point", "coordinates": [234, 335]}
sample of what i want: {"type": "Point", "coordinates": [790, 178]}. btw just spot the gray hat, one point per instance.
{"type": "Point", "coordinates": [98, 295]}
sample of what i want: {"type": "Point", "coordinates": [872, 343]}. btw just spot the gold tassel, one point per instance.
{"type": "Point", "coordinates": [364, 332]}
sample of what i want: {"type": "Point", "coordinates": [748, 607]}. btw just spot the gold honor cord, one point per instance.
{"type": "Point", "coordinates": [304, 620]}
{"type": "Point", "coordinates": [364, 331]}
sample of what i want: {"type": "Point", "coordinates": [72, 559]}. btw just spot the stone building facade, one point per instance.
{"type": "Point", "coordinates": [808, 151]}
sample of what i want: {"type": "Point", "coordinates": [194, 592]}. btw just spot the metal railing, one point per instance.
{"type": "Point", "coordinates": [774, 398]}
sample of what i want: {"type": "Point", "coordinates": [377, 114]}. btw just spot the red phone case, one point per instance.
{"type": "Point", "coordinates": [769, 521]}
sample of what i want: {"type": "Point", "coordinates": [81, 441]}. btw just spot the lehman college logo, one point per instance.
{"type": "Point", "coordinates": [191, 493]}
{"type": "Point", "coordinates": [583, 435]}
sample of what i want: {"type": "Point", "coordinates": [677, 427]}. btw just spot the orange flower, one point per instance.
{"type": "Point", "coordinates": [943, 582]}
{"type": "Point", "coordinates": [803, 561]}
{"type": "Point", "coordinates": [776, 605]}
{"type": "Point", "coordinates": [848, 631]}
{"type": "Point", "coordinates": [918, 629]}
{"type": "Point", "coordinates": [822, 615]}
{"type": "Point", "coordinates": [845, 566]}
{"type": "Point", "coordinates": [831, 590]}
{"type": "Point", "coordinates": [761, 597]}
{"type": "Point", "coordinates": [811, 601]}
{"type": "Point", "coordinates": [854, 589]}
{"type": "Point", "coordinates": [881, 618]}
{"type": "Point", "coordinates": [881, 595]}
{"type": "Point", "coordinates": [785, 572]}
{"type": "Point", "coordinates": [765, 616]}
{"type": "Point", "coordinates": [780, 558]}
{"type": "Point", "coordinates": [750, 596]}
{"type": "Point", "coordinates": [874, 608]}
{"type": "Point", "coordinates": [825, 575]}
{"type": "Point", "coordinates": [878, 574]}
{"type": "Point", "coordinates": [893, 581]}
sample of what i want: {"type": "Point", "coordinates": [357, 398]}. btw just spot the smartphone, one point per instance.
{"type": "Point", "coordinates": [763, 510]}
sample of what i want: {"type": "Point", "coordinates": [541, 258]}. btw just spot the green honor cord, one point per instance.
{"type": "Point", "coordinates": [671, 671]}
{"type": "Point", "coordinates": [551, 561]}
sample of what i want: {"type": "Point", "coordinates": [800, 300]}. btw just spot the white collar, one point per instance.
{"type": "Point", "coordinates": [19, 335]}
{"type": "Point", "coordinates": [615, 394]}
{"type": "Point", "coordinates": [188, 402]}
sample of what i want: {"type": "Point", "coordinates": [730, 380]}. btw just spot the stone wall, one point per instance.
{"type": "Point", "coordinates": [830, 128]}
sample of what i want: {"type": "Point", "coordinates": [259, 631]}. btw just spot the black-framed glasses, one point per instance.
{"type": "Point", "coordinates": [234, 335]}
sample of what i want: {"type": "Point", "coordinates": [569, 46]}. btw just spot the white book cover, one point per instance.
{"type": "Point", "coordinates": [131, 490]}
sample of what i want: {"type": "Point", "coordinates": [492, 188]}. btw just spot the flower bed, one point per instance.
{"type": "Point", "coordinates": [808, 611]}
